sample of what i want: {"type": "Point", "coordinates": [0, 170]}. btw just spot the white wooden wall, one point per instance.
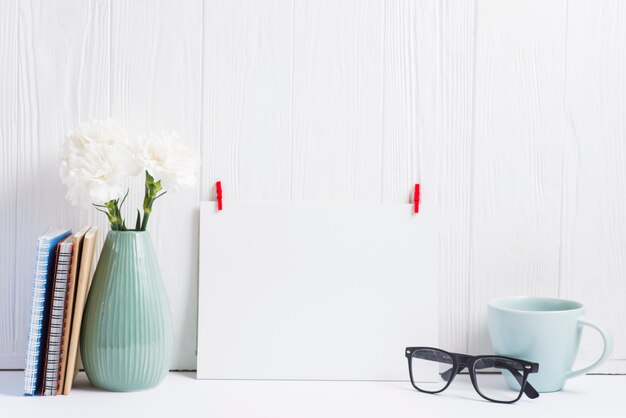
{"type": "Point", "coordinates": [512, 115]}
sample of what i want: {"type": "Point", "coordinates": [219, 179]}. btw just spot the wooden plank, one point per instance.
{"type": "Point", "coordinates": [593, 262]}
{"type": "Point", "coordinates": [156, 70]}
{"type": "Point", "coordinates": [63, 79]}
{"type": "Point", "coordinates": [10, 321]}
{"type": "Point", "coordinates": [452, 165]}
{"type": "Point", "coordinates": [427, 133]}
{"type": "Point", "coordinates": [411, 99]}
{"type": "Point", "coordinates": [246, 120]}
{"type": "Point", "coordinates": [517, 166]}
{"type": "Point", "coordinates": [337, 100]}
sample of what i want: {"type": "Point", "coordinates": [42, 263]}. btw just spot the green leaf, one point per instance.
{"type": "Point", "coordinates": [124, 199]}
{"type": "Point", "coordinates": [138, 223]}
{"type": "Point", "coordinates": [149, 179]}
{"type": "Point", "coordinates": [156, 197]}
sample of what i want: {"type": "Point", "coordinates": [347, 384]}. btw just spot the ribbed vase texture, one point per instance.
{"type": "Point", "coordinates": [126, 336]}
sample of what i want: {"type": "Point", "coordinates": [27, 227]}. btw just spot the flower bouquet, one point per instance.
{"type": "Point", "coordinates": [126, 336]}
{"type": "Point", "coordinates": [99, 157]}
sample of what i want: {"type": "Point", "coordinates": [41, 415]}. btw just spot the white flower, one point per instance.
{"type": "Point", "coordinates": [95, 162]}
{"type": "Point", "coordinates": [103, 132]}
{"type": "Point", "coordinates": [167, 159]}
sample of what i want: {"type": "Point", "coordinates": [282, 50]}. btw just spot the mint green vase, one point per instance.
{"type": "Point", "coordinates": [126, 336]}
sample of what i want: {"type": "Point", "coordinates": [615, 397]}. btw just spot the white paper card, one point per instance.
{"type": "Point", "coordinates": [325, 291]}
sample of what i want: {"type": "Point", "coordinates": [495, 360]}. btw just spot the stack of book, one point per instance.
{"type": "Point", "coordinates": [62, 278]}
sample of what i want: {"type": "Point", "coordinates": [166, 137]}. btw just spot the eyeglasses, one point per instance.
{"type": "Point", "coordinates": [495, 378]}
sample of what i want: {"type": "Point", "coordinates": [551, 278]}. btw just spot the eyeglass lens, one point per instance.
{"type": "Point", "coordinates": [497, 378]}
{"type": "Point", "coordinates": [431, 369]}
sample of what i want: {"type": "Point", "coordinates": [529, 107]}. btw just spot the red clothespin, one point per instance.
{"type": "Point", "coordinates": [416, 199]}
{"type": "Point", "coordinates": [218, 189]}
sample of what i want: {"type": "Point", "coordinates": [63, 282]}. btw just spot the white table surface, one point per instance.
{"type": "Point", "coordinates": [181, 395]}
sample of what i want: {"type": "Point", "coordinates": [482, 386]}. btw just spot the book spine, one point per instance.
{"type": "Point", "coordinates": [67, 316]}
{"type": "Point", "coordinates": [56, 319]}
{"type": "Point", "coordinates": [36, 317]}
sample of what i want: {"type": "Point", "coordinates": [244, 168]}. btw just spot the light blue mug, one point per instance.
{"type": "Point", "coordinates": [545, 331]}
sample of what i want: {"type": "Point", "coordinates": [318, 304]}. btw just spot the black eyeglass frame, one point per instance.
{"type": "Point", "coordinates": [465, 361]}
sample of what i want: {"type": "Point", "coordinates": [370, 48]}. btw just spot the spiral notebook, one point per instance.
{"type": "Point", "coordinates": [39, 320]}
{"type": "Point", "coordinates": [77, 243]}
{"type": "Point", "coordinates": [57, 314]}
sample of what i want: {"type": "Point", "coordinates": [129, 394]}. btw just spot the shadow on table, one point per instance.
{"type": "Point", "coordinates": [82, 383]}
{"type": "Point", "coordinates": [461, 388]}
{"type": "Point", "coordinates": [189, 374]}
{"type": "Point", "coordinates": [11, 383]}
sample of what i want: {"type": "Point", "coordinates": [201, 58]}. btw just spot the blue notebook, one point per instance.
{"type": "Point", "coordinates": [42, 298]}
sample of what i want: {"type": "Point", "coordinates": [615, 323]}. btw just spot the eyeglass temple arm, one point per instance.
{"type": "Point", "coordinates": [529, 390]}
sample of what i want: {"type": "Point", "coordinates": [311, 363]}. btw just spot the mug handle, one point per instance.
{"type": "Point", "coordinates": [608, 347]}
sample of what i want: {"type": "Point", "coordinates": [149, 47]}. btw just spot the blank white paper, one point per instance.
{"type": "Point", "coordinates": [325, 291]}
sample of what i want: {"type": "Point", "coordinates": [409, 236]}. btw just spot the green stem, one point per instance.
{"type": "Point", "coordinates": [146, 216]}
{"type": "Point", "coordinates": [152, 189]}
